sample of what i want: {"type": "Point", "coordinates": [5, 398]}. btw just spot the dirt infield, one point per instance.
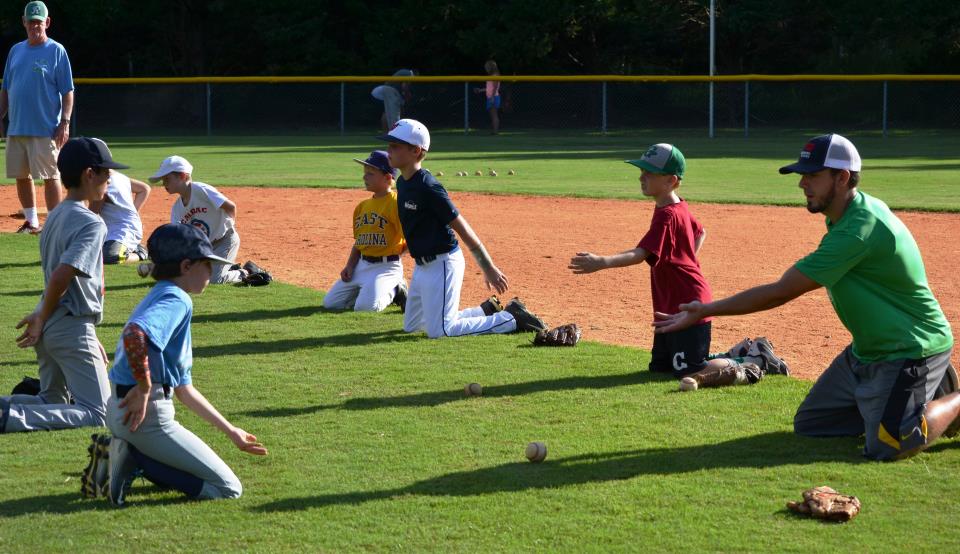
{"type": "Point", "coordinates": [303, 236]}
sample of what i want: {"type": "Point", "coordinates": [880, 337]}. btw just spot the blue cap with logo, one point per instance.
{"type": "Point", "coordinates": [175, 242]}
{"type": "Point", "coordinates": [378, 159]}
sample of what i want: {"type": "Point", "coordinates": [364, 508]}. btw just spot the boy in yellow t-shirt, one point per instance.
{"type": "Point", "coordinates": [372, 278]}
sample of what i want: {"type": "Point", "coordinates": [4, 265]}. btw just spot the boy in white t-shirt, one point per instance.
{"type": "Point", "coordinates": [120, 210]}
{"type": "Point", "coordinates": [207, 209]}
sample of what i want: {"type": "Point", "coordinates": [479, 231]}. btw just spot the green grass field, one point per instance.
{"type": "Point", "coordinates": [918, 171]}
{"type": "Point", "coordinates": [374, 447]}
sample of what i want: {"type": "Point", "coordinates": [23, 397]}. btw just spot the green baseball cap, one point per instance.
{"type": "Point", "coordinates": [662, 158]}
{"type": "Point", "coordinates": [35, 10]}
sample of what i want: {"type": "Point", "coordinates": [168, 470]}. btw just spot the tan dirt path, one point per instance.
{"type": "Point", "coordinates": [303, 236]}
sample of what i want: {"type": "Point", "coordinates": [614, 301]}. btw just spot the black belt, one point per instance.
{"type": "Point", "coordinates": [378, 259]}
{"type": "Point", "coordinates": [427, 259]}
{"type": "Point", "coordinates": [122, 390]}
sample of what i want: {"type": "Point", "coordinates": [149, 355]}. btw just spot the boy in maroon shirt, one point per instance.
{"type": "Point", "coordinates": [670, 247]}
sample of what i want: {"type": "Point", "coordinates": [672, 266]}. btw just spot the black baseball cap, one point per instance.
{"type": "Point", "coordinates": [80, 153]}
{"type": "Point", "coordinates": [174, 242]}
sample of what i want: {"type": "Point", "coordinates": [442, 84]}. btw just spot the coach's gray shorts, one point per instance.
{"type": "Point", "coordinates": [883, 400]}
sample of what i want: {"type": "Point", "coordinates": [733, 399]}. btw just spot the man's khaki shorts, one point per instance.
{"type": "Point", "coordinates": [32, 157]}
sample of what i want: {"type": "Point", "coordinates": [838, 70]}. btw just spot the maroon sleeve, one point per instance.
{"type": "Point", "coordinates": [656, 237]}
{"type": "Point", "coordinates": [697, 227]}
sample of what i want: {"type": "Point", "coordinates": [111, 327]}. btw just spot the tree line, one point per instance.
{"type": "Point", "coordinates": [151, 38]}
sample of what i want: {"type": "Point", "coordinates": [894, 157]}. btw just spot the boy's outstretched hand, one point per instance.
{"type": "Point", "coordinates": [247, 442]}
{"type": "Point", "coordinates": [688, 315]}
{"type": "Point", "coordinates": [585, 262]}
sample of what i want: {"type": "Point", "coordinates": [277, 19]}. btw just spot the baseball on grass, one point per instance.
{"type": "Point", "coordinates": [479, 173]}
{"type": "Point", "coordinates": [439, 174]}
{"type": "Point", "coordinates": [688, 384]}
{"type": "Point", "coordinates": [144, 269]}
{"type": "Point", "coordinates": [536, 452]}
{"type": "Point", "coordinates": [511, 172]}
{"type": "Point", "coordinates": [473, 389]}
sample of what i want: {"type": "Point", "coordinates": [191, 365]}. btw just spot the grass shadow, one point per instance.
{"type": "Point", "coordinates": [758, 451]}
{"type": "Point", "coordinates": [24, 264]}
{"type": "Point", "coordinates": [72, 502]}
{"type": "Point", "coordinates": [289, 345]}
{"type": "Point", "coordinates": [258, 315]}
{"type": "Point", "coordinates": [437, 398]}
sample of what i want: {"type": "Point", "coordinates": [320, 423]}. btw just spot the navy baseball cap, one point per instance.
{"type": "Point", "coordinates": [80, 153]}
{"type": "Point", "coordinates": [174, 242]}
{"type": "Point", "coordinates": [378, 159]}
{"type": "Point", "coordinates": [833, 151]}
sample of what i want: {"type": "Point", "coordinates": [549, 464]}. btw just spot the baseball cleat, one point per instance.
{"type": "Point", "coordinates": [29, 229]}
{"type": "Point", "coordinates": [400, 296]}
{"type": "Point", "coordinates": [94, 480]}
{"type": "Point", "coordinates": [491, 305]}
{"type": "Point", "coordinates": [740, 349]}
{"type": "Point", "coordinates": [526, 320]}
{"type": "Point", "coordinates": [761, 348]}
{"type": "Point", "coordinates": [123, 470]}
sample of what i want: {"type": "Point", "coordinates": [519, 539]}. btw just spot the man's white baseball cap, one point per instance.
{"type": "Point", "coordinates": [173, 164]}
{"type": "Point", "coordinates": [409, 131]}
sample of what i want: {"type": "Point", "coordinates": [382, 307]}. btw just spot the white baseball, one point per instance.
{"type": "Point", "coordinates": [688, 384]}
{"type": "Point", "coordinates": [473, 389]}
{"type": "Point", "coordinates": [479, 173]}
{"type": "Point", "coordinates": [439, 174]}
{"type": "Point", "coordinates": [511, 172]}
{"type": "Point", "coordinates": [536, 452]}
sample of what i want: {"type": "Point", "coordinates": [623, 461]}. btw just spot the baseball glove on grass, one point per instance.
{"type": "Point", "coordinates": [256, 276]}
{"type": "Point", "coordinates": [826, 503]}
{"type": "Point", "coordinates": [564, 335]}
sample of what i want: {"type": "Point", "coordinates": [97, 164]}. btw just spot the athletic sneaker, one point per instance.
{"type": "Point", "coordinates": [94, 480]}
{"type": "Point", "coordinates": [526, 321]}
{"type": "Point", "coordinates": [29, 229]}
{"type": "Point", "coordinates": [740, 349]}
{"type": "Point", "coordinates": [491, 305]}
{"type": "Point", "coordinates": [123, 470]}
{"type": "Point", "coordinates": [762, 348]}
{"type": "Point", "coordinates": [400, 296]}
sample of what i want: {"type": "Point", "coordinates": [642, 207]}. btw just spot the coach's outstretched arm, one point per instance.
{"type": "Point", "coordinates": [764, 297]}
{"type": "Point", "coordinates": [496, 280]}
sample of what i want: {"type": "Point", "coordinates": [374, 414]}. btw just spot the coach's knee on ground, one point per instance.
{"type": "Point", "coordinates": [230, 488]}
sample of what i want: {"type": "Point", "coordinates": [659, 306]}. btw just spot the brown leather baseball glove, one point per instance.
{"type": "Point", "coordinates": [564, 335]}
{"type": "Point", "coordinates": [826, 503]}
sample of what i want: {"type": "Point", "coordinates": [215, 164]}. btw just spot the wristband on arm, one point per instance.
{"type": "Point", "coordinates": [135, 346]}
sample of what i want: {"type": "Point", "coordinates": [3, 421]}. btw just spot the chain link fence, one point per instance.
{"type": "Point", "coordinates": [177, 108]}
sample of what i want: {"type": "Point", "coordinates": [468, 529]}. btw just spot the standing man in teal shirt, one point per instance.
{"type": "Point", "coordinates": [38, 95]}
{"type": "Point", "coordinates": [884, 384]}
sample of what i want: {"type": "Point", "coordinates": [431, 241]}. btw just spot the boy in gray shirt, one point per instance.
{"type": "Point", "coordinates": [62, 327]}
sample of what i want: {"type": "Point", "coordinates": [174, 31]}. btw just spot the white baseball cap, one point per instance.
{"type": "Point", "coordinates": [409, 131]}
{"type": "Point", "coordinates": [173, 164]}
